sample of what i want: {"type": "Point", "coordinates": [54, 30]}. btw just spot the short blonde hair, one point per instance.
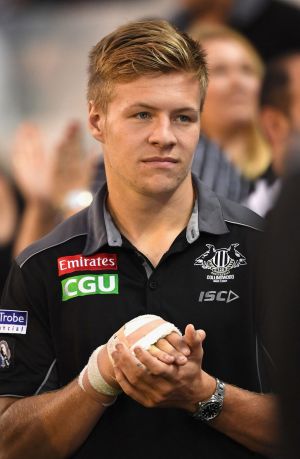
{"type": "Point", "coordinates": [140, 48]}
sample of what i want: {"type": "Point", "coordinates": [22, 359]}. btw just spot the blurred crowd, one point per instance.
{"type": "Point", "coordinates": [250, 122]}
{"type": "Point", "coordinates": [251, 115]}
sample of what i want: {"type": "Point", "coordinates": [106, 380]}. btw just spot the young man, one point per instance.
{"type": "Point", "coordinates": [155, 240]}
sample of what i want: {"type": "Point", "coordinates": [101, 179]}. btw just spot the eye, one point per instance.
{"type": "Point", "coordinates": [249, 70]}
{"type": "Point", "coordinates": [218, 70]}
{"type": "Point", "coordinates": [183, 118]}
{"type": "Point", "coordinates": [143, 115]}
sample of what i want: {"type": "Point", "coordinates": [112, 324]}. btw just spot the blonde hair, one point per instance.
{"type": "Point", "coordinates": [256, 157]}
{"type": "Point", "coordinates": [149, 47]}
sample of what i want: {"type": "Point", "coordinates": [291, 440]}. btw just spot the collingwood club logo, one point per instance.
{"type": "Point", "coordinates": [5, 354]}
{"type": "Point", "coordinates": [220, 262]}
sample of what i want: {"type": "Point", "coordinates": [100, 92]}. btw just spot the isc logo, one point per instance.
{"type": "Point", "coordinates": [224, 295]}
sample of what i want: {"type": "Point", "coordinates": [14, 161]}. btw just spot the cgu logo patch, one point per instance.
{"type": "Point", "coordinates": [220, 262]}
{"type": "Point", "coordinates": [101, 284]}
{"type": "Point", "coordinates": [97, 262]}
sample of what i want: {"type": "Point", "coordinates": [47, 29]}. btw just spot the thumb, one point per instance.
{"type": "Point", "coordinates": [194, 338]}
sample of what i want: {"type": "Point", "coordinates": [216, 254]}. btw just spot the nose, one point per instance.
{"type": "Point", "coordinates": [162, 133]}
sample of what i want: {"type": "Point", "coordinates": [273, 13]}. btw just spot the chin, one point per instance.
{"type": "Point", "coordinates": [240, 116]}
{"type": "Point", "coordinates": [159, 187]}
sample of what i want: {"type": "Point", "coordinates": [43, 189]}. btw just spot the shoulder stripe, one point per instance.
{"type": "Point", "coordinates": [49, 247]}
{"type": "Point", "coordinates": [243, 224]}
{"type": "Point", "coordinates": [75, 226]}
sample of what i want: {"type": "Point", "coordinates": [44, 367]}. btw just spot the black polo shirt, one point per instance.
{"type": "Point", "coordinates": [67, 294]}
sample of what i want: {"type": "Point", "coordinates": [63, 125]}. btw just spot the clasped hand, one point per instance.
{"type": "Point", "coordinates": [168, 375]}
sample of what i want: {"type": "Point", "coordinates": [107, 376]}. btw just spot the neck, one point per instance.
{"type": "Point", "coordinates": [151, 222]}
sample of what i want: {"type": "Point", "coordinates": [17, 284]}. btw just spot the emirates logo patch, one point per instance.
{"type": "Point", "coordinates": [220, 262]}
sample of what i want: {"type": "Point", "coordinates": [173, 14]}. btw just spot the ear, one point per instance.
{"type": "Point", "coordinates": [96, 121]}
{"type": "Point", "coordinates": [276, 126]}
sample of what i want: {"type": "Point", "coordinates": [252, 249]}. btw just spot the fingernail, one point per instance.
{"type": "Point", "coordinates": [181, 359]}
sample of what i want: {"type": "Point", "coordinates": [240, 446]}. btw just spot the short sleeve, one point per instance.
{"type": "Point", "coordinates": [27, 357]}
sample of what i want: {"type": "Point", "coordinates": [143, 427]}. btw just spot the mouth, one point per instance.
{"type": "Point", "coordinates": [239, 98]}
{"type": "Point", "coordinates": [159, 162]}
{"type": "Point", "coordinates": [160, 159]}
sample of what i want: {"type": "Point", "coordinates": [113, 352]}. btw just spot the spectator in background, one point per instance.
{"type": "Point", "coordinates": [280, 120]}
{"type": "Point", "coordinates": [231, 107]}
{"type": "Point", "coordinates": [50, 185]}
{"type": "Point", "coordinates": [10, 212]}
{"type": "Point", "coordinates": [272, 26]}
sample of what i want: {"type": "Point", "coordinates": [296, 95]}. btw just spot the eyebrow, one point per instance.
{"type": "Point", "coordinates": [150, 107]}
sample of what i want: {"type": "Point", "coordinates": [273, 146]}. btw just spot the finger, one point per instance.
{"type": "Point", "coordinates": [178, 343]}
{"type": "Point", "coordinates": [132, 368]}
{"type": "Point", "coordinates": [152, 364]}
{"type": "Point", "coordinates": [143, 394]}
{"type": "Point", "coordinates": [194, 338]}
{"type": "Point", "coordinates": [161, 355]}
{"type": "Point", "coordinates": [167, 348]}
{"type": "Point", "coordinates": [124, 383]}
{"type": "Point", "coordinates": [174, 345]}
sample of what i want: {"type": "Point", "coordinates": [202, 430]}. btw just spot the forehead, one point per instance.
{"type": "Point", "coordinates": [225, 49]}
{"type": "Point", "coordinates": [168, 89]}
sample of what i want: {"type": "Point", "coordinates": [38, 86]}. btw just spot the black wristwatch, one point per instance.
{"type": "Point", "coordinates": [208, 410]}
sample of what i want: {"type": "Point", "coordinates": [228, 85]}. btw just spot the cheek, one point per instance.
{"type": "Point", "coordinates": [218, 92]}
{"type": "Point", "coordinates": [217, 88]}
{"type": "Point", "coordinates": [253, 86]}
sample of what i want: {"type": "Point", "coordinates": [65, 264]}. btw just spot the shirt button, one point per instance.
{"type": "Point", "coordinates": [153, 285]}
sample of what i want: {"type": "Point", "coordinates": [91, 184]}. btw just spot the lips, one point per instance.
{"type": "Point", "coordinates": [159, 159]}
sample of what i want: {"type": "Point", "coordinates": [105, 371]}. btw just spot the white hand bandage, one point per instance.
{"type": "Point", "coordinates": [143, 331]}
{"type": "Point", "coordinates": [98, 378]}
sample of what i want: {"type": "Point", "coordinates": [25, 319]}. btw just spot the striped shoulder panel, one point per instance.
{"type": "Point", "coordinates": [70, 228]}
{"type": "Point", "coordinates": [240, 215]}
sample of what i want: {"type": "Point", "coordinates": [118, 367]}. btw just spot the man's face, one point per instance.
{"type": "Point", "coordinates": [150, 132]}
{"type": "Point", "coordinates": [232, 95]}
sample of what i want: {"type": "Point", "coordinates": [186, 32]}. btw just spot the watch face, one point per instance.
{"type": "Point", "coordinates": [210, 410]}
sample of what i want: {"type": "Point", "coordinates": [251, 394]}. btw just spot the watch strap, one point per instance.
{"type": "Point", "coordinates": [209, 409]}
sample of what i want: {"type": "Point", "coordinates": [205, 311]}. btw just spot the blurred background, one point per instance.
{"type": "Point", "coordinates": [44, 49]}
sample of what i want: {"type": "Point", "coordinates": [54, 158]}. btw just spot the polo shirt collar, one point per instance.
{"type": "Point", "coordinates": [210, 215]}
{"type": "Point", "coordinates": [96, 227]}
{"type": "Point", "coordinates": [206, 217]}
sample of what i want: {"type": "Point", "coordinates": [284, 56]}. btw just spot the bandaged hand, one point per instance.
{"type": "Point", "coordinates": [98, 377]}
{"type": "Point", "coordinates": [155, 384]}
